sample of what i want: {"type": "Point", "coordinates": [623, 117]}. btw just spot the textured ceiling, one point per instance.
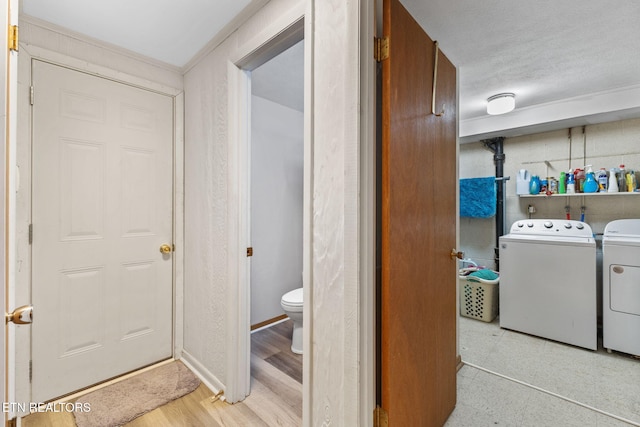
{"type": "Point", "coordinates": [546, 52]}
{"type": "Point", "coordinates": [542, 51]}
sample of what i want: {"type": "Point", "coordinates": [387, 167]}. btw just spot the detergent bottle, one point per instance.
{"type": "Point", "coordinates": [613, 181]}
{"type": "Point", "coordinates": [602, 180]}
{"type": "Point", "coordinates": [534, 184]}
{"type": "Point", "coordinates": [590, 184]}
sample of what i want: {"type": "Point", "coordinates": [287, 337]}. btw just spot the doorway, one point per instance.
{"type": "Point", "coordinates": [276, 182]}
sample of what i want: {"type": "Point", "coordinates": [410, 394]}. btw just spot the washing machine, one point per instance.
{"type": "Point", "coordinates": [548, 281]}
{"type": "Point", "coordinates": [621, 286]}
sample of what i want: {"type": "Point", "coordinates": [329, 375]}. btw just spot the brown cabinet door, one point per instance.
{"type": "Point", "coordinates": [419, 181]}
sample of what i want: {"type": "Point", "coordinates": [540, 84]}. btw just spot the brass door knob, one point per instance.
{"type": "Point", "coordinates": [165, 249]}
{"type": "Point", "coordinates": [456, 254]}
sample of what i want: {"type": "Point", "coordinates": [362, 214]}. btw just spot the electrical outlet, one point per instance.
{"type": "Point", "coordinates": [531, 209]}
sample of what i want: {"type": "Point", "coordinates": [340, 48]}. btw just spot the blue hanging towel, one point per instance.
{"type": "Point", "coordinates": [478, 197]}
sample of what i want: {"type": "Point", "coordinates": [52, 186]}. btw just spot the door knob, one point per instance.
{"type": "Point", "coordinates": [20, 316]}
{"type": "Point", "coordinates": [456, 254]}
{"type": "Point", "coordinates": [166, 249]}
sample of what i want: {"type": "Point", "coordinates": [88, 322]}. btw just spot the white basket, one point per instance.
{"type": "Point", "coordinates": [478, 298]}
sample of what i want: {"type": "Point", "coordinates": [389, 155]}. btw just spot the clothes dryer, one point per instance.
{"type": "Point", "coordinates": [621, 286]}
{"type": "Point", "coordinates": [548, 281]}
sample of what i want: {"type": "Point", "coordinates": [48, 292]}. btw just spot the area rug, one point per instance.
{"type": "Point", "coordinates": [121, 402]}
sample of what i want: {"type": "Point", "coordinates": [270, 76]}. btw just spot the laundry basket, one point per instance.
{"type": "Point", "coordinates": [478, 295]}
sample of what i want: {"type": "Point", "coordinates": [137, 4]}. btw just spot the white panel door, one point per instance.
{"type": "Point", "coordinates": [102, 207]}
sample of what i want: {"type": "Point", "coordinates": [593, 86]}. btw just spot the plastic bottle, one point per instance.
{"type": "Point", "coordinates": [631, 181]}
{"type": "Point", "coordinates": [613, 181]}
{"type": "Point", "coordinates": [590, 184]}
{"type": "Point", "coordinates": [562, 183]}
{"type": "Point", "coordinates": [571, 182]}
{"type": "Point", "coordinates": [602, 180]}
{"type": "Point", "coordinates": [622, 179]}
{"type": "Point", "coordinates": [534, 184]}
{"type": "Point", "coordinates": [579, 178]}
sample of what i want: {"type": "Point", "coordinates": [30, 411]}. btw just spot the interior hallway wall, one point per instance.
{"type": "Point", "coordinates": [604, 145]}
{"type": "Point", "coordinates": [277, 142]}
{"type": "Point", "coordinates": [333, 385]}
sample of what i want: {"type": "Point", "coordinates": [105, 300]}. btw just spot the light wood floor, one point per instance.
{"type": "Point", "coordinates": [275, 400]}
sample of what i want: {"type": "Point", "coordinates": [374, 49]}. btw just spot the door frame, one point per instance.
{"type": "Point", "coordinates": [8, 182]}
{"type": "Point", "coordinates": [291, 30]}
{"type": "Point", "coordinates": [21, 352]}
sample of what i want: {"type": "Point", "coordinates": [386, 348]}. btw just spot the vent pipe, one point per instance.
{"type": "Point", "coordinates": [496, 145]}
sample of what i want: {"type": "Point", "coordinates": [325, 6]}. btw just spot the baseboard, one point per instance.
{"type": "Point", "coordinates": [269, 322]}
{"type": "Point", "coordinates": [459, 363]}
{"type": "Point", "coordinates": [210, 380]}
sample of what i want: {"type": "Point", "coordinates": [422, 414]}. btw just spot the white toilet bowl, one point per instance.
{"type": "Point", "coordinates": [291, 303]}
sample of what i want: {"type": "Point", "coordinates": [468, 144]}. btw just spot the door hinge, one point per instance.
{"type": "Point", "coordinates": [13, 422]}
{"type": "Point", "coordinates": [249, 251]}
{"type": "Point", "coordinates": [31, 95]}
{"type": "Point", "coordinates": [13, 38]}
{"type": "Point", "coordinates": [381, 48]}
{"type": "Point", "coordinates": [380, 417]}
{"type": "Point", "coordinates": [30, 233]}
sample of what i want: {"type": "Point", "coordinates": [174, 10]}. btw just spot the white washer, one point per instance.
{"type": "Point", "coordinates": [621, 286]}
{"type": "Point", "coordinates": [548, 281]}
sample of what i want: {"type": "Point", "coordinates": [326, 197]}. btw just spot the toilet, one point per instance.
{"type": "Point", "coordinates": [291, 303]}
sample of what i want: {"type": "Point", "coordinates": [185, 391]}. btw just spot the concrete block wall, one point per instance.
{"type": "Point", "coordinates": [547, 154]}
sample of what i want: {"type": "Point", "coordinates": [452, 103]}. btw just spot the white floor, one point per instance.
{"type": "Point", "coordinates": [514, 379]}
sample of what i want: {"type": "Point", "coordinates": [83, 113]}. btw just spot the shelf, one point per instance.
{"type": "Point", "coordinates": [635, 193]}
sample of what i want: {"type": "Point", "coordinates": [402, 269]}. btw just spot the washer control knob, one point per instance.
{"type": "Point", "coordinates": [548, 224]}
{"type": "Point", "coordinates": [567, 226]}
{"type": "Point", "coordinates": [520, 224]}
{"type": "Point", "coordinates": [530, 224]}
{"type": "Point", "coordinates": [579, 226]}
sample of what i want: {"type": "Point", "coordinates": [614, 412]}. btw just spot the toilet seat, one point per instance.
{"type": "Point", "coordinates": [292, 300]}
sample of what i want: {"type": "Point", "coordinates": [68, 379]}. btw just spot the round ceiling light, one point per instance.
{"type": "Point", "coordinates": [501, 103]}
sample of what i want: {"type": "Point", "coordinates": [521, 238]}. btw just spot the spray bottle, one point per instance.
{"type": "Point", "coordinates": [571, 182]}
{"type": "Point", "coordinates": [622, 180]}
{"type": "Point", "coordinates": [613, 181]}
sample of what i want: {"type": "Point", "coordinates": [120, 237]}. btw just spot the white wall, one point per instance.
{"type": "Point", "coordinates": [276, 205]}
{"type": "Point", "coordinates": [604, 145]}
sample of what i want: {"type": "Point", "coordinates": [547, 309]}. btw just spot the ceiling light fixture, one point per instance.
{"type": "Point", "coordinates": [501, 103]}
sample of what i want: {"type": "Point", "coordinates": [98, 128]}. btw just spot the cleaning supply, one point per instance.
{"type": "Point", "coordinates": [522, 182]}
{"type": "Point", "coordinates": [590, 184]}
{"type": "Point", "coordinates": [562, 183]}
{"type": "Point", "coordinates": [571, 182]}
{"type": "Point", "coordinates": [631, 181]}
{"type": "Point", "coordinates": [622, 179]}
{"type": "Point", "coordinates": [580, 177]}
{"type": "Point", "coordinates": [613, 181]}
{"type": "Point", "coordinates": [534, 184]}
{"type": "Point", "coordinates": [601, 176]}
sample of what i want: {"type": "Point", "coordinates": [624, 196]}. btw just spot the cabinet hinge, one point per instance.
{"type": "Point", "coordinates": [249, 251]}
{"type": "Point", "coordinates": [13, 422]}
{"type": "Point", "coordinates": [30, 233]}
{"type": "Point", "coordinates": [13, 38]}
{"type": "Point", "coordinates": [31, 95]}
{"type": "Point", "coordinates": [380, 417]}
{"type": "Point", "coordinates": [30, 370]}
{"type": "Point", "coordinates": [381, 48]}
